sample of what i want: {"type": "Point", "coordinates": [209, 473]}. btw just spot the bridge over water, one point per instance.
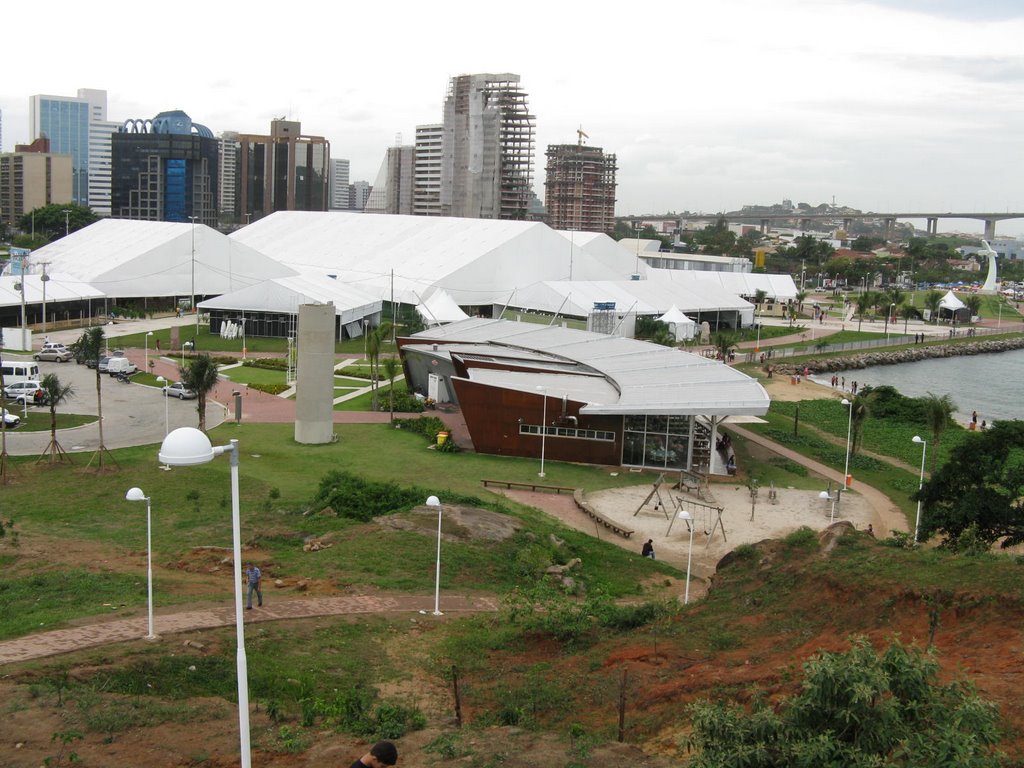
{"type": "Point", "coordinates": [890, 219]}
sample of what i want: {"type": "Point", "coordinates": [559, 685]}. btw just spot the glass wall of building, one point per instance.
{"type": "Point", "coordinates": [657, 442]}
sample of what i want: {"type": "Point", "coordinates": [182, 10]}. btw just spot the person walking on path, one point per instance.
{"type": "Point", "coordinates": [254, 578]}
{"type": "Point", "coordinates": [648, 550]}
{"type": "Point", "coordinates": [381, 755]}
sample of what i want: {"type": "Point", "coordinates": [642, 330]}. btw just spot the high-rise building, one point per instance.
{"type": "Point", "coordinates": [76, 126]}
{"type": "Point", "coordinates": [285, 171]}
{"type": "Point", "coordinates": [580, 188]}
{"type": "Point", "coordinates": [358, 194]}
{"type": "Point", "coordinates": [227, 181]}
{"type": "Point", "coordinates": [31, 177]}
{"type": "Point", "coordinates": [487, 153]}
{"type": "Point", "coordinates": [426, 195]}
{"type": "Point", "coordinates": [392, 192]}
{"type": "Point", "coordinates": [339, 185]}
{"type": "Point", "coordinates": [164, 169]}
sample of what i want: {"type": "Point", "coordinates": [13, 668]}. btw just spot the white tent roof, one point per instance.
{"type": "Point", "coordinates": [286, 294]}
{"type": "Point", "coordinates": [676, 317]}
{"type": "Point", "coordinates": [644, 297]}
{"type": "Point", "coordinates": [59, 287]}
{"type": "Point", "coordinates": [951, 302]}
{"type": "Point", "coordinates": [779, 287]}
{"type": "Point", "coordinates": [477, 261]}
{"type": "Point", "coordinates": [440, 307]}
{"type": "Point", "coordinates": [646, 378]}
{"type": "Point", "coordinates": [609, 253]}
{"type": "Point", "coordinates": [125, 258]}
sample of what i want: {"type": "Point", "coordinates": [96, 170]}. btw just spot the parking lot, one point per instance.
{"type": "Point", "coordinates": [132, 414]}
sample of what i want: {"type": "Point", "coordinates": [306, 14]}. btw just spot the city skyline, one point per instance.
{"type": "Point", "coordinates": [884, 105]}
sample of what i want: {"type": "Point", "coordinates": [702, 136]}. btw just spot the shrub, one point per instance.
{"type": "Point", "coordinates": [270, 389]}
{"type": "Point", "coordinates": [405, 402]}
{"type": "Point", "coordinates": [268, 363]}
{"type": "Point", "coordinates": [802, 538]}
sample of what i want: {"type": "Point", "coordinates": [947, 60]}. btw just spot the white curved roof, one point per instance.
{"type": "Point", "coordinates": [779, 287]}
{"type": "Point", "coordinates": [644, 378]}
{"type": "Point", "coordinates": [59, 287]}
{"type": "Point", "coordinates": [286, 294]}
{"type": "Point", "coordinates": [477, 261]}
{"type": "Point", "coordinates": [645, 297]}
{"type": "Point", "coordinates": [125, 258]}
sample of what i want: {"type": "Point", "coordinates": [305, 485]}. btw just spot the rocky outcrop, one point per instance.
{"type": "Point", "coordinates": [909, 355]}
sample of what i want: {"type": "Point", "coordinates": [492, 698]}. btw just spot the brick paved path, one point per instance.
{"type": "Point", "coordinates": [124, 630]}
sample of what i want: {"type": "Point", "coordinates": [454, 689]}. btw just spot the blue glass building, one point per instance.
{"type": "Point", "coordinates": [164, 169]}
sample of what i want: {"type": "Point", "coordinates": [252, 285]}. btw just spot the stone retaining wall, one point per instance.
{"type": "Point", "coordinates": [909, 355]}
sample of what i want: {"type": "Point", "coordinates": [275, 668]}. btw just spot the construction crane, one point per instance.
{"type": "Point", "coordinates": [581, 136]}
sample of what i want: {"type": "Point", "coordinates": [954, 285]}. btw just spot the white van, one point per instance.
{"type": "Point", "coordinates": [118, 365]}
{"type": "Point", "coordinates": [15, 373]}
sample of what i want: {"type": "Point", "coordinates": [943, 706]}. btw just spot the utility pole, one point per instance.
{"type": "Point", "coordinates": [195, 309]}
{"type": "Point", "coordinates": [44, 279]}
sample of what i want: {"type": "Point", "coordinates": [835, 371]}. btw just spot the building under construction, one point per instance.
{"type": "Point", "coordinates": [580, 187]}
{"type": "Point", "coordinates": [487, 166]}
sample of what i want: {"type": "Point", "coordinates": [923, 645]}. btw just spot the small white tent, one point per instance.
{"type": "Point", "coordinates": [440, 308]}
{"type": "Point", "coordinates": [950, 307]}
{"type": "Point", "coordinates": [683, 328]}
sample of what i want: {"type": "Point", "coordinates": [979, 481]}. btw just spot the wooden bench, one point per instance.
{"type": "Point", "coordinates": [510, 484]}
{"type": "Point", "coordinates": [621, 530]}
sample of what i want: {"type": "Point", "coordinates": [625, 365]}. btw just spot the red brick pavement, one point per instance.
{"type": "Point", "coordinates": [125, 630]}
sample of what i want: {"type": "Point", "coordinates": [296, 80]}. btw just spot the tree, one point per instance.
{"type": "Point", "coordinates": [200, 375]}
{"type": "Point", "coordinates": [938, 411]}
{"type": "Point", "coordinates": [92, 343]}
{"type": "Point", "coordinates": [907, 311]}
{"type": "Point", "coordinates": [973, 303]}
{"type": "Point", "coordinates": [856, 709]}
{"type": "Point", "coordinates": [858, 415]}
{"type": "Point", "coordinates": [981, 487]}
{"type": "Point", "coordinates": [374, 341]}
{"type": "Point", "coordinates": [51, 222]}
{"type": "Point", "coordinates": [932, 299]}
{"type": "Point", "coordinates": [390, 365]}
{"type": "Point", "coordinates": [56, 394]}
{"type": "Point", "coordinates": [863, 305]}
{"type": "Point", "coordinates": [801, 297]}
{"type": "Point", "coordinates": [724, 342]}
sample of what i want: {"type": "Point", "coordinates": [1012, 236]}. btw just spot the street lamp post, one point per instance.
{"type": "Point", "coordinates": [543, 428]}
{"type": "Point", "coordinates": [185, 447]}
{"type": "Point", "coordinates": [136, 494]}
{"type": "Point", "coordinates": [888, 314]}
{"type": "Point", "coordinates": [849, 426]}
{"type": "Point", "coordinates": [689, 555]}
{"type": "Point", "coordinates": [433, 501]}
{"type": "Point", "coordinates": [194, 308]}
{"type": "Point", "coordinates": [163, 383]}
{"type": "Point", "coordinates": [146, 339]}
{"type": "Point", "coordinates": [920, 483]}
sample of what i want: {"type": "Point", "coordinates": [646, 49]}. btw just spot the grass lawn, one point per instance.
{"type": "Point", "coordinates": [278, 479]}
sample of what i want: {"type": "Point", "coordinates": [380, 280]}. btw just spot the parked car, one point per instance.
{"type": "Point", "coordinates": [104, 363]}
{"type": "Point", "coordinates": [123, 365]}
{"type": "Point", "coordinates": [54, 354]}
{"type": "Point", "coordinates": [178, 390]}
{"type": "Point", "coordinates": [9, 419]}
{"type": "Point", "coordinates": [25, 392]}
{"type": "Point", "coordinates": [54, 345]}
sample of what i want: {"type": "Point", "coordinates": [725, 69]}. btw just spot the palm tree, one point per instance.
{"type": "Point", "coordinates": [390, 365]}
{"type": "Point", "coordinates": [907, 311]}
{"type": "Point", "coordinates": [200, 375]}
{"type": "Point", "coordinates": [374, 341]}
{"type": "Point", "coordinates": [939, 413]}
{"type": "Point", "coordinates": [724, 341]}
{"type": "Point", "coordinates": [801, 297]}
{"type": "Point", "coordinates": [56, 394]}
{"type": "Point", "coordinates": [858, 415]}
{"type": "Point", "coordinates": [863, 305]}
{"type": "Point", "coordinates": [973, 303]}
{"type": "Point", "coordinates": [896, 295]}
{"type": "Point", "coordinates": [92, 343]}
{"type": "Point", "coordinates": [932, 299]}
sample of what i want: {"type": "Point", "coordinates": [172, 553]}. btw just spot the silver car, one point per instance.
{"type": "Point", "coordinates": [180, 391]}
{"type": "Point", "coordinates": [54, 354]}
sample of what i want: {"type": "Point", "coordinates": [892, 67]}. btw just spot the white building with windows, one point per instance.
{"type": "Point", "coordinates": [338, 197]}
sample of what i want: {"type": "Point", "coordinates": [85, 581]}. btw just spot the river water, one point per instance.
{"type": "Point", "coordinates": [992, 385]}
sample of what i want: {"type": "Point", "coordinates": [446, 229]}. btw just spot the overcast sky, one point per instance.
{"type": "Point", "coordinates": [884, 105]}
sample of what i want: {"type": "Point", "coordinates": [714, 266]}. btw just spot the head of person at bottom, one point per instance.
{"type": "Point", "coordinates": [381, 755]}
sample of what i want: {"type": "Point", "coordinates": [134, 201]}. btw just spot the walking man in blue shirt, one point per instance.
{"type": "Point", "coordinates": [254, 579]}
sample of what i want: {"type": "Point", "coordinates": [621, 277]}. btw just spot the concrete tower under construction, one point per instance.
{"type": "Point", "coordinates": [488, 143]}
{"type": "Point", "coordinates": [580, 187]}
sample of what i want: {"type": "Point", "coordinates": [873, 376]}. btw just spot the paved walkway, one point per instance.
{"type": "Point", "coordinates": [125, 630]}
